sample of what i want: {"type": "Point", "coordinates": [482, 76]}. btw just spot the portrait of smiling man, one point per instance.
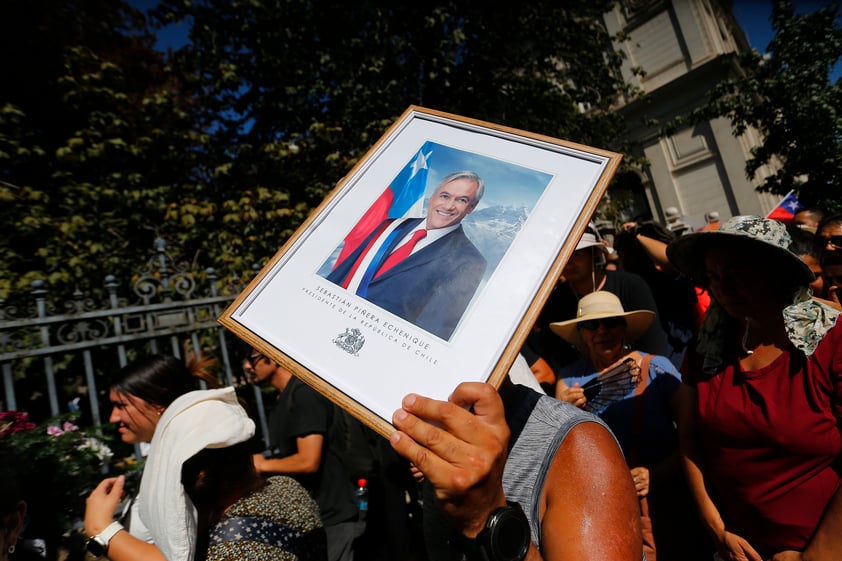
{"type": "Point", "coordinates": [424, 270]}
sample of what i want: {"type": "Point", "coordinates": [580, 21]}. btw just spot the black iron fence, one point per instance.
{"type": "Point", "coordinates": [55, 357]}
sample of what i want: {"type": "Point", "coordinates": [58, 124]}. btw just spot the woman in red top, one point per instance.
{"type": "Point", "coordinates": [762, 398]}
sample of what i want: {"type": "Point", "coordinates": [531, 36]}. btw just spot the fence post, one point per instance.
{"type": "Point", "coordinates": [111, 285]}
{"type": "Point", "coordinates": [9, 387]}
{"type": "Point", "coordinates": [39, 291]}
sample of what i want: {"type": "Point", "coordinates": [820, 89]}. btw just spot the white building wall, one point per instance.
{"type": "Point", "coordinates": [685, 47]}
{"type": "Point", "coordinates": [655, 47]}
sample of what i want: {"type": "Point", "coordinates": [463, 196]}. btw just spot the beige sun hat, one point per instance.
{"type": "Point", "coordinates": [599, 305]}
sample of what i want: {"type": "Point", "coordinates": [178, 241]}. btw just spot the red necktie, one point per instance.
{"type": "Point", "coordinates": [402, 252]}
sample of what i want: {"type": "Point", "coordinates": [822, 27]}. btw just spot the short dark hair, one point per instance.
{"type": "Point", "coordinates": [816, 213]}
{"type": "Point", "coordinates": [803, 242]}
{"type": "Point", "coordinates": [213, 474]}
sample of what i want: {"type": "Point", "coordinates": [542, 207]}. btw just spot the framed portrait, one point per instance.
{"type": "Point", "coordinates": [428, 263]}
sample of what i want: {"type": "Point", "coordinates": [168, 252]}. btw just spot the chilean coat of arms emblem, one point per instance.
{"type": "Point", "coordinates": [351, 341]}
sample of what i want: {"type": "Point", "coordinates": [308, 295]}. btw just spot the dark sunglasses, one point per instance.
{"type": "Point", "coordinates": [609, 323]}
{"type": "Point", "coordinates": [256, 356]}
{"type": "Point", "coordinates": [835, 241]}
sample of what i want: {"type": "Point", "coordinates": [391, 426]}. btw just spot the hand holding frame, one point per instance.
{"type": "Point", "coordinates": [460, 447]}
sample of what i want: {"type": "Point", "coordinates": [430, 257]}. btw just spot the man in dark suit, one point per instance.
{"type": "Point", "coordinates": [424, 270]}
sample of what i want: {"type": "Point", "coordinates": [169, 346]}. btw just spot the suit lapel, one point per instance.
{"type": "Point", "coordinates": [439, 250]}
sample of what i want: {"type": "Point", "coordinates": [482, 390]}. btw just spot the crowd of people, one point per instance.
{"type": "Point", "coordinates": [679, 398]}
{"type": "Point", "coordinates": [749, 310]}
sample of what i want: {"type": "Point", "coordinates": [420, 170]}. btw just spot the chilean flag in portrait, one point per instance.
{"type": "Point", "coordinates": [402, 198]}
{"type": "Point", "coordinates": [786, 209]}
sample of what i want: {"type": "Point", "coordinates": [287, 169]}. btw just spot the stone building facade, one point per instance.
{"type": "Point", "coordinates": [684, 47]}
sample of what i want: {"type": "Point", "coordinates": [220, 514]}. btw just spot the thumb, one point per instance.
{"type": "Point", "coordinates": [119, 483]}
{"type": "Point", "coordinates": [482, 398]}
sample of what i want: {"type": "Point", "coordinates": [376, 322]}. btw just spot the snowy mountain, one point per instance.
{"type": "Point", "coordinates": [493, 229]}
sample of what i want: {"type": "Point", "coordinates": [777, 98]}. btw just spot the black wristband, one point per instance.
{"type": "Point", "coordinates": [505, 537]}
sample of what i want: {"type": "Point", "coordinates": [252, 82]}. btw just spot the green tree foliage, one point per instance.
{"type": "Point", "coordinates": [296, 91]}
{"type": "Point", "coordinates": [95, 142]}
{"type": "Point", "coordinates": [225, 146]}
{"type": "Point", "coordinates": [788, 97]}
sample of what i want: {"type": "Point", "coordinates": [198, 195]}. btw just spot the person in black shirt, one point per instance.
{"type": "Point", "coordinates": [300, 446]}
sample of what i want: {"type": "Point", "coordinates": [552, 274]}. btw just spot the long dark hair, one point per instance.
{"type": "Point", "coordinates": [160, 379]}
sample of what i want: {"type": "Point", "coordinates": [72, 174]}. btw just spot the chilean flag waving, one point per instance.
{"type": "Point", "coordinates": [785, 210]}
{"type": "Point", "coordinates": [404, 196]}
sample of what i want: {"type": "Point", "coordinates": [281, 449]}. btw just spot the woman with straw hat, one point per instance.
{"type": "Point", "coordinates": [761, 400]}
{"type": "Point", "coordinates": [635, 394]}
{"type": "Point", "coordinates": [604, 381]}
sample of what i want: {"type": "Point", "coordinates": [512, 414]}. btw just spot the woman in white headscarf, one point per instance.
{"type": "Point", "coordinates": [139, 395]}
{"type": "Point", "coordinates": [185, 502]}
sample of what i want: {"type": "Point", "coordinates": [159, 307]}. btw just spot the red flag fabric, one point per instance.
{"type": "Point", "coordinates": [398, 198]}
{"type": "Point", "coordinates": [785, 210]}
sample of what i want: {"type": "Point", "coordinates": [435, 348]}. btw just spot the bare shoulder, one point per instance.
{"type": "Point", "coordinates": [590, 510]}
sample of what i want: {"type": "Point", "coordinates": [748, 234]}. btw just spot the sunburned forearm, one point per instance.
{"type": "Point", "coordinates": [289, 465]}
{"type": "Point", "coordinates": [656, 250]}
{"type": "Point", "coordinates": [306, 459]}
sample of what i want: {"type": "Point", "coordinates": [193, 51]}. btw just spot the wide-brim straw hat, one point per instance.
{"type": "Point", "coordinates": [749, 234]}
{"type": "Point", "coordinates": [599, 305]}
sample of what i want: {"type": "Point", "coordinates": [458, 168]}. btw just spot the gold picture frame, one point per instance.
{"type": "Point", "coordinates": [360, 348]}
